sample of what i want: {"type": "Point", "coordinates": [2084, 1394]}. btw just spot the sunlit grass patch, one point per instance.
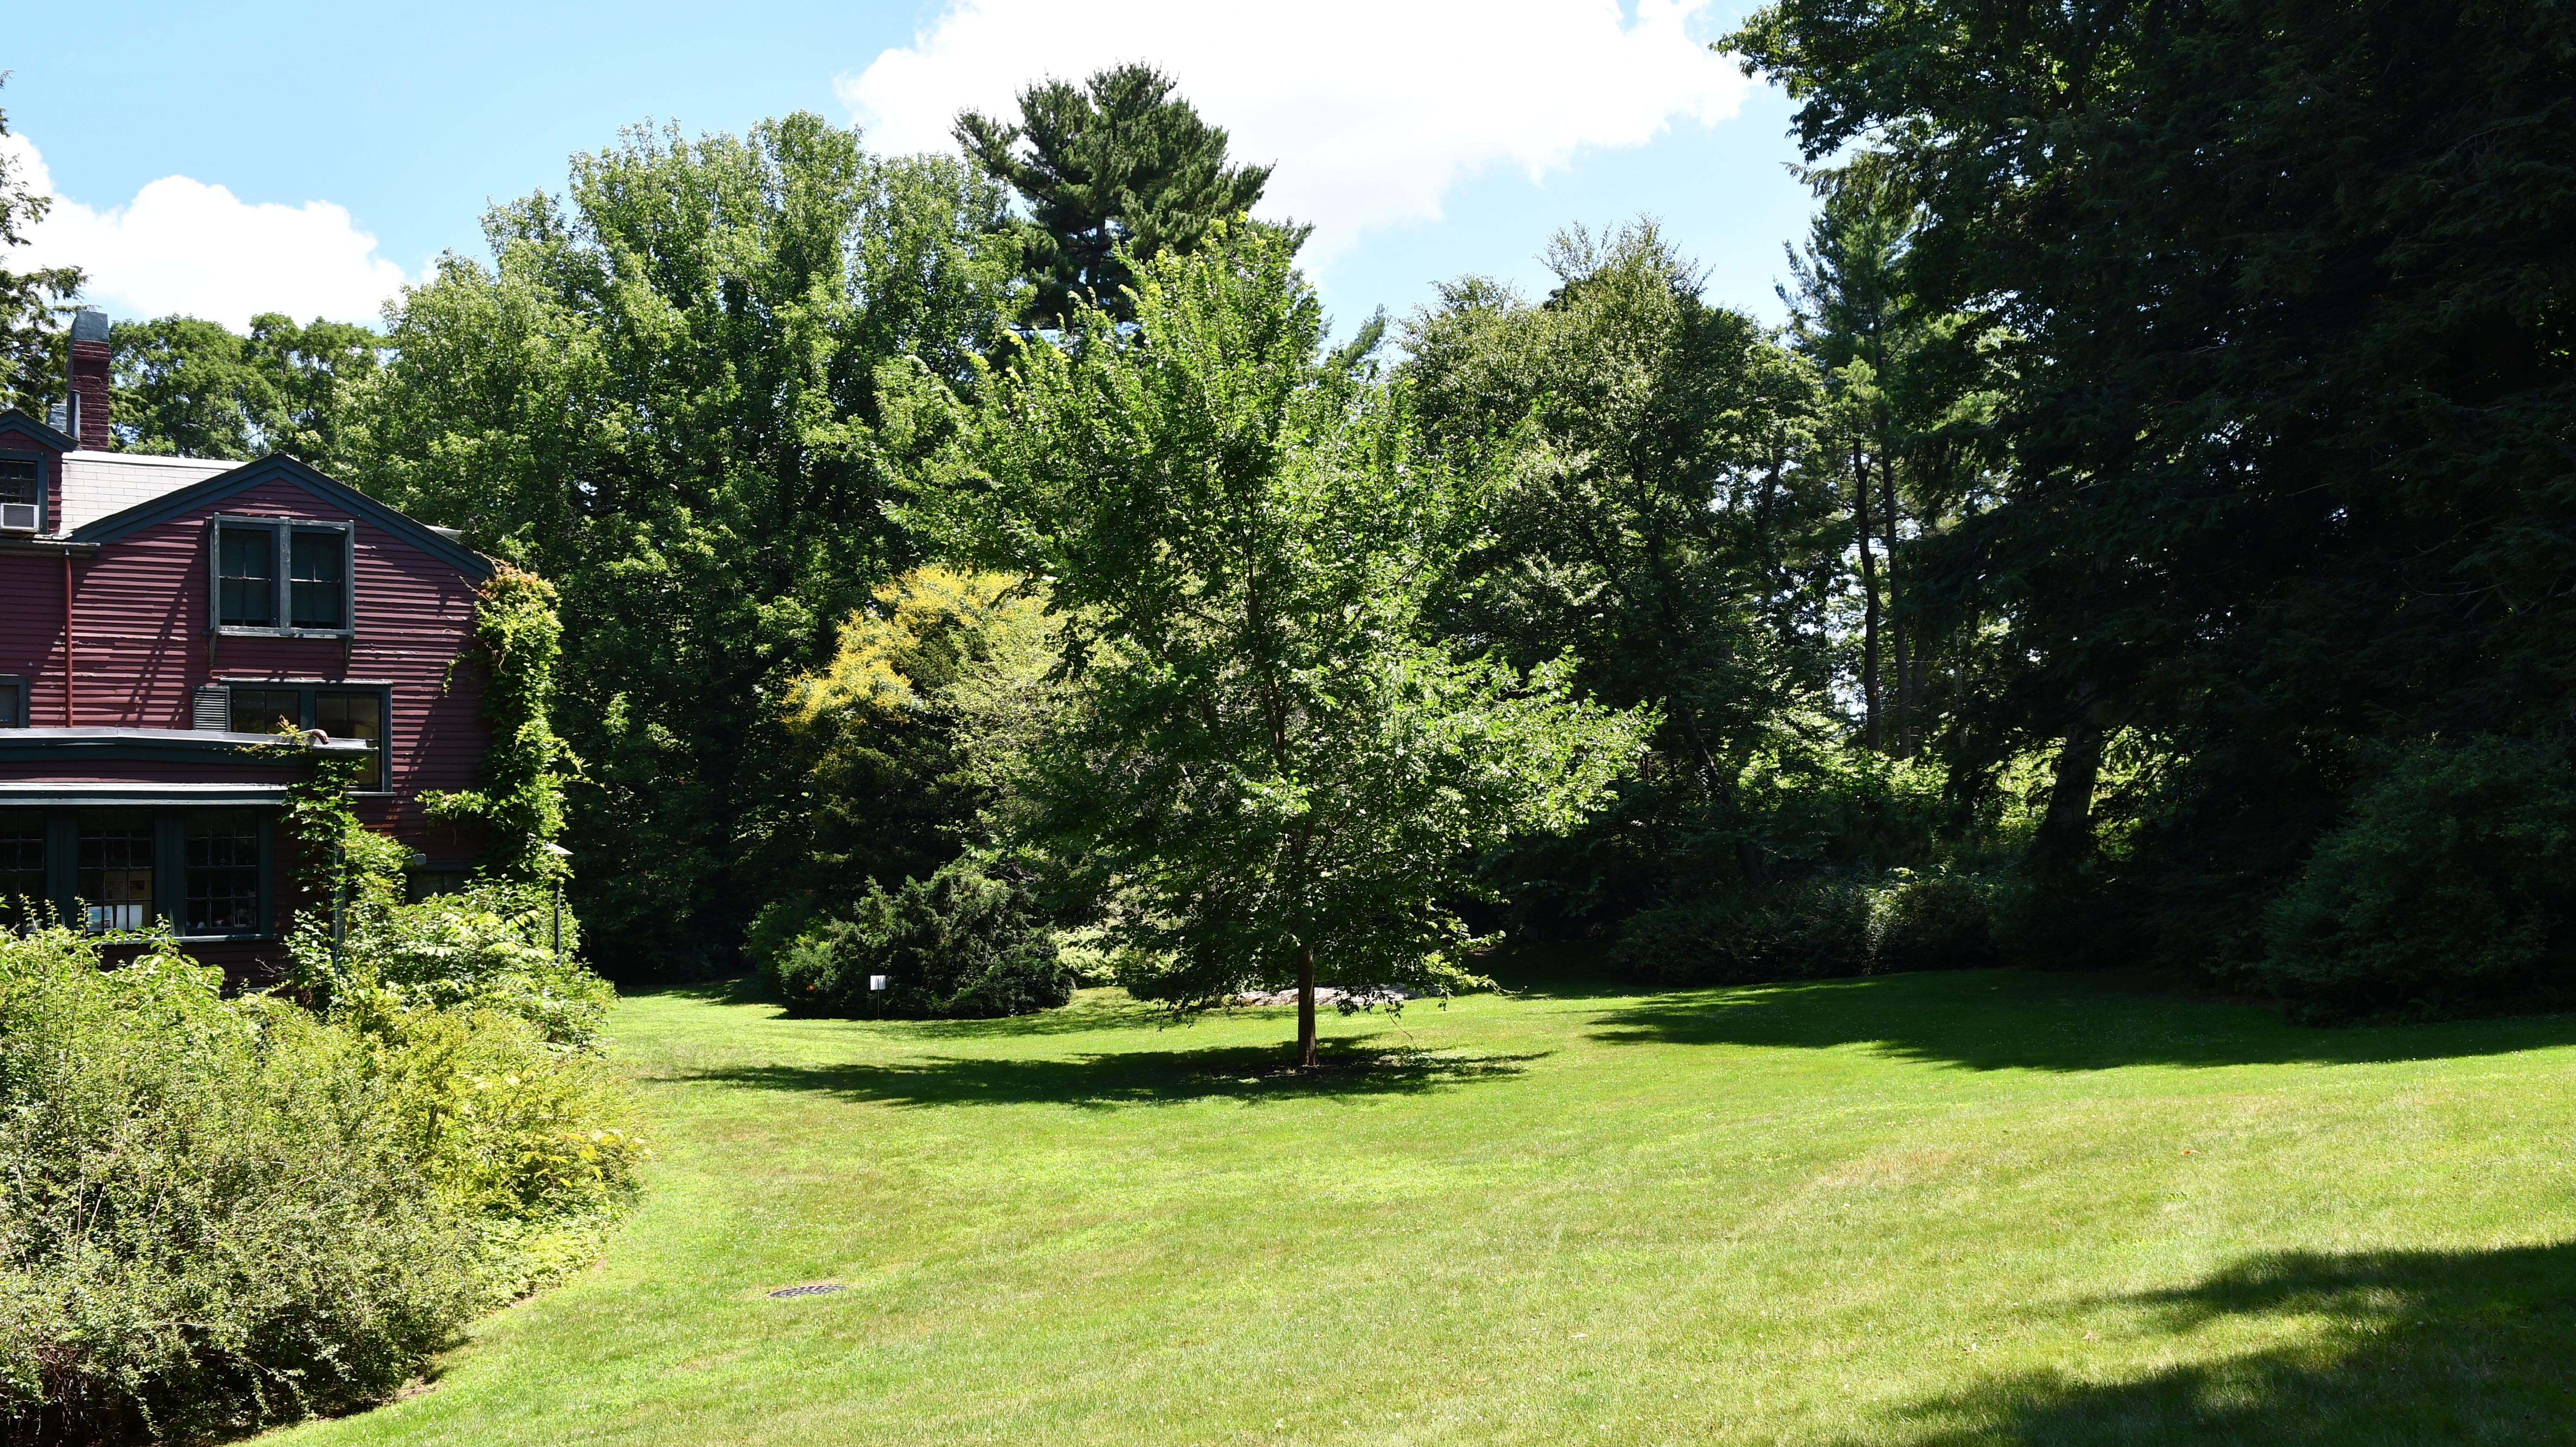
{"type": "Point", "coordinates": [1991, 1207]}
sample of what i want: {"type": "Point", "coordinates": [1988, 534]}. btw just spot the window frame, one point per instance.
{"type": "Point", "coordinates": [26, 710]}
{"type": "Point", "coordinates": [133, 823]}
{"type": "Point", "coordinates": [44, 479]}
{"type": "Point", "coordinates": [308, 691]}
{"type": "Point", "coordinates": [42, 900]}
{"type": "Point", "coordinates": [168, 826]}
{"type": "Point", "coordinates": [171, 844]}
{"type": "Point", "coordinates": [281, 537]}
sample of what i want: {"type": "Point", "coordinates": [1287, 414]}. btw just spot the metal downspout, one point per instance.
{"type": "Point", "coordinates": [71, 669]}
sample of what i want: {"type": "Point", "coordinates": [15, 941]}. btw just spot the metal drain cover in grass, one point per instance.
{"type": "Point", "coordinates": [826, 1289]}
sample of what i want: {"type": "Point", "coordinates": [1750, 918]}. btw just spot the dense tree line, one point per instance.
{"type": "Point", "coordinates": [2144, 541]}
{"type": "Point", "coordinates": [2279, 295]}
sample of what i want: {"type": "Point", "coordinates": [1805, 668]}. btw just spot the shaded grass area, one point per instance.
{"type": "Point", "coordinates": [1997, 1020]}
{"type": "Point", "coordinates": [2422, 1346]}
{"type": "Point", "coordinates": [1981, 1208]}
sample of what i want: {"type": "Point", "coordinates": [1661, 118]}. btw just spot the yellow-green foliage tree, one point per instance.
{"type": "Point", "coordinates": [907, 740]}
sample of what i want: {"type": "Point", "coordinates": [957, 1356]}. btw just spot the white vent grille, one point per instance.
{"type": "Point", "coordinates": [17, 517]}
{"type": "Point", "coordinates": [214, 708]}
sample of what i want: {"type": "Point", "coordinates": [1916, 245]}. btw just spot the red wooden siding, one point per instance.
{"type": "Point", "coordinates": [31, 626]}
{"type": "Point", "coordinates": [142, 646]}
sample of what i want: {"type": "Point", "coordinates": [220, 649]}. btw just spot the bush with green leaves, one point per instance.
{"type": "Point", "coordinates": [1808, 929]}
{"type": "Point", "coordinates": [1821, 927]}
{"type": "Point", "coordinates": [219, 1212]}
{"type": "Point", "coordinates": [489, 946]}
{"type": "Point", "coordinates": [964, 943]}
{"type": "Point", "coordinates": [1931, 920]}
{"type": "Point", "coordinates": [2449, 888]}
{"type": "Point", "coordinates": [228, 1213]}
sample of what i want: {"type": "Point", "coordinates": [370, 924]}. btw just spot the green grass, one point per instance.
{"type": "Point", "coordinates": [1993, 1207]}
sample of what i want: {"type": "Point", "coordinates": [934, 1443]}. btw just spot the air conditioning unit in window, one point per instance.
{"type": "Point", "coordinates": [17, 517]}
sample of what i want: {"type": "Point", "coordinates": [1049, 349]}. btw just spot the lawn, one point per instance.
{"type": "Point", "coordinates": [1992, 1207]}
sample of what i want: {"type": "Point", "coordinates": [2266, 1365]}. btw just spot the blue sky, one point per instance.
{"type": "Point", "coordinates": [309, 157]}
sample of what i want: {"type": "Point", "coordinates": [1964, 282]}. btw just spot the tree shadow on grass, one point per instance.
{"type": "Point", "coordinates": [2027, 1019]}
{"type": "Point", "coordinates": [1556, 970]}
{"type": "Point", "coordinates": [1251, 1074]}
{"type": "Point", "coordinates": [2419, 1347]}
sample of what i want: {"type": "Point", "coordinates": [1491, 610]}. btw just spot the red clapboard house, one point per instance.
{"type": "Point", "coordinates": [159, 614]}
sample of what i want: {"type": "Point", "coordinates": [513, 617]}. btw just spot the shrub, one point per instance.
{"type": "Point", "coordinates": [224, 1214]}
{"type": "Point", "coordinates": [2450, 887]}
{"type": "Point", "coordinates": [218, 1216]}
{"type": "Point", "coordinates": [962, 943]}
{"type": "Point", "coordinates": [489, 946]}
{"type": "Point", "coordinates": [1822, 927]}
{"type": "Point", "coordinates": [775, 926]}
{"type": "Point", "coordinates": [1803, 930]}
{"type": "Point", "coordinates": [1937, 921]}
{"type": "Point", "coordinates": [538, 1144]}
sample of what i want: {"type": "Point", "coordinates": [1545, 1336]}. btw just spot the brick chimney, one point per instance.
{"type": "Point", "coordinates": [89, 380]}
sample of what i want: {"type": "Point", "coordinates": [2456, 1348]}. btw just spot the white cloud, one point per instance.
{"type": "Point", "coordinates": [1371, 109]}
{"type": "Point", "coordinates": [184, 246]}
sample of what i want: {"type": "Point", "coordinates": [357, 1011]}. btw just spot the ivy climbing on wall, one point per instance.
{"type": "Point", "coordinates": [520, 641]}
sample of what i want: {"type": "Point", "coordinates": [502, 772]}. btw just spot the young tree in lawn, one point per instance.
{"type": "Point", "coordinates": [1277, 776]}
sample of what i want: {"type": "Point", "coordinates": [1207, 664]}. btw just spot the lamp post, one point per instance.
{"type": "Point", "coordinates": [563, 863]}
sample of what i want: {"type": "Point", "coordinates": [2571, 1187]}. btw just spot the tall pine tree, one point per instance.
{"type": "Point", "coordinates": [1116, 164]}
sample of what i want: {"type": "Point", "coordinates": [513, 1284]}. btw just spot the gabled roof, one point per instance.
{"type": "Point", "coordinates": [278, 467]}
{"type": "Point", "coordinates": [12, 417]}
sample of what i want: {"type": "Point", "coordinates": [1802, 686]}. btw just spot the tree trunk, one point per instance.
{"type": "Point", "coordinates": [2066, 830]}
{"type": "Point", "coordinates": [1902, 704]}
{"type": "Point", "coordinates": [1306, 1007]}
{"type": "Point", "coordinates": [2065, 836]}
{"type": "Point", "coordinates": [1869, 603]}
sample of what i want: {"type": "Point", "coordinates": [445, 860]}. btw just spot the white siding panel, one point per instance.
{"type": "Point", "coordinates": [102, 484]}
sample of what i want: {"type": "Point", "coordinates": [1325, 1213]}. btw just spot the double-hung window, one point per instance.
{"type": "Point", "coordinates": [283, 576]}
{"type": "Point", "coordinates": [266, 710]}
{"type": "Point", "coordinates": [245, 577]}
{"type": "Point", "coordinates": [13, 701]}
{"type": "Point", "coordinates": [22, 492]}
{"type": "Point", "coordinates": [317, 584]}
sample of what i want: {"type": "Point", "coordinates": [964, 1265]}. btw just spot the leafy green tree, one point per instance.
{"type": "Point", "coordinates": [195, 388]}
{"type": "Point", "coordinates": [1659, 517]}
{"type": "Point", "coordinates": [33, 302]}
{"type": "Point", "coordinates": [661, 394]}
{"type": "Point", "coordinates": [1279, 774]}
{"type": "Point", "coordinates": [1113, 172]}
{"type": "Point", "coordinates": [315, 373]}
{"type": "Point", "coordinates": [185, 387]}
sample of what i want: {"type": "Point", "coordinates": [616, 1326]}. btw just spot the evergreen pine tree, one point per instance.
{"type": "Point", "coordinates": [1117, 161]}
